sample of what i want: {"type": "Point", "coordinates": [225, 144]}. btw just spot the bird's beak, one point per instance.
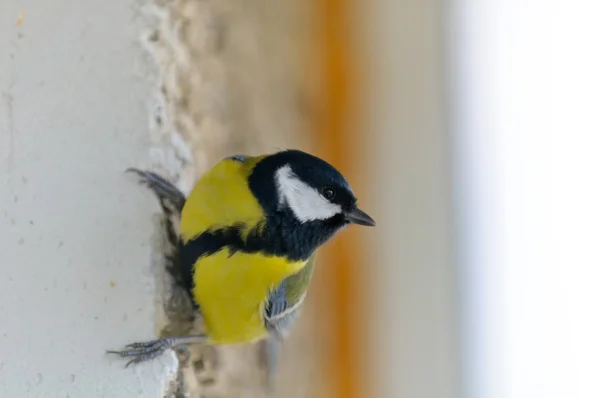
{"type": "Point", "coordinates": [359, 217]}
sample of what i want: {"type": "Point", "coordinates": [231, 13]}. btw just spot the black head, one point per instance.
{"type": "Point", "coordinates": [304, 197]}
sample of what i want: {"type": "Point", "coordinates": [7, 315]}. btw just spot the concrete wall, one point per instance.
{"type": "Point", "coordinates": [75, 232]}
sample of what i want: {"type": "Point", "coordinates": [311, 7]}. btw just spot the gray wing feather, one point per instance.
{"type": "Point", "coordinates": [284, 303]}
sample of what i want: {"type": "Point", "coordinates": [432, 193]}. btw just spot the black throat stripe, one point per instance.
{"type": "Point", "coordinates": [212, 241]}
{"type": "Point", "coordinates": [228, 238]}
{"type": "Point", "coordinates": [279, 236]}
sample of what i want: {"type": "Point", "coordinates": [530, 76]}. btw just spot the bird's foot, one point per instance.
{"type": "Point", "coordinates": [147, 350]}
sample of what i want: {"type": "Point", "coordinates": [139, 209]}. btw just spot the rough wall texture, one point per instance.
{"type": "Point", "coordinates": [234, 79]}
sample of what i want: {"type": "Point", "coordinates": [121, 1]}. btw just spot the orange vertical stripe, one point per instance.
{"type": "Point", "coordinates": [335, 143]}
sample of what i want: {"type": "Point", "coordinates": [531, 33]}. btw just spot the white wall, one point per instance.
{"type": "Point", "coordinates": [75, 232]}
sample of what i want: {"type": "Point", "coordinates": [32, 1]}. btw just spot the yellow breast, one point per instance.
{"type": "Point", "coordinates": [221, 198]}
{"type": "Point", "coordinates": [232, 292]}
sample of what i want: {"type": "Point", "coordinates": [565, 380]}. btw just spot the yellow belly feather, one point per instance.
{"type": "Point", "coordinates": [231, 291]}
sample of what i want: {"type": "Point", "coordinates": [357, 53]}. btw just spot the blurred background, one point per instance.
{"type": "Point", "coordinates": [469, 129]}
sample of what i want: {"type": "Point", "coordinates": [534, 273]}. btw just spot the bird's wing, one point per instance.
{"type": "Point", "coordinates": [285, 301]}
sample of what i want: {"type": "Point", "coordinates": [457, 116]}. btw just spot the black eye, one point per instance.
{"type": "Point", "coordinates": [328, 193]}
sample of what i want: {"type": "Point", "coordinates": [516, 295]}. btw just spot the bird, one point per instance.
{"type": "Point", "coordinates": [246, 242]}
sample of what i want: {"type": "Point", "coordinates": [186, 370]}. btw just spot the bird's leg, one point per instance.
{"type": "Point", "coordinates": [147, 350]}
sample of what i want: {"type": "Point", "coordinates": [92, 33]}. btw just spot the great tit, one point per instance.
{"type": "Point", "coordinates": [247, 237]}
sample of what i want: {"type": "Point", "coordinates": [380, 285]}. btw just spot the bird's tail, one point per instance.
{"type": "Point", "coordinates": [171, 200]}
{"type": "Point", "coordinates": [272, 347]}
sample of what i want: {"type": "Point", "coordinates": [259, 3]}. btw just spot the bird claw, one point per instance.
{"type": "Point", "coordinates": [147, 350]}
{"type": "Point", "coordinates": [144, 351]}
{"type": "Point", "coordinates": [145, 344]}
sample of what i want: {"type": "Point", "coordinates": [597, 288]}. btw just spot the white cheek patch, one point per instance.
{"type": "Point", "coordinates": [305, 201]}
